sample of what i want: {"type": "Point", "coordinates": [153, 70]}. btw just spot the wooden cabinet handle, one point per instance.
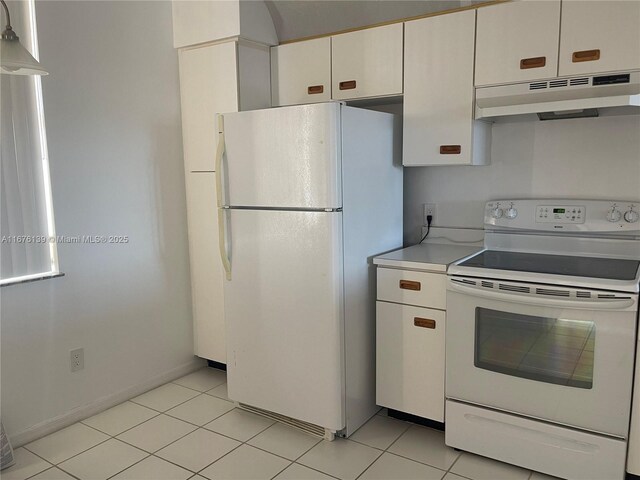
{"type": "Point", "coordinates": [314, 89]}
{"type": "Point", "coordinates": [348, 85]}
{"type": "Point", "coordinates": [533, 62]}
{"type": "Point", "coordinates": [410, 285]}
{"type": "Point", "coordinates": [450, 149]}
{"type": "Point", "coordinates": [424, 322]}
{"type": "Point", "coordinates": [586, 56]}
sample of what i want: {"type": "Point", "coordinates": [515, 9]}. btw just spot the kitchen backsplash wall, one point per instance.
{"type": "Point", "coordinates": [580, 158]}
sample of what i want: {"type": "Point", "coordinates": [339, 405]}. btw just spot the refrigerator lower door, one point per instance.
{"type": "Point", "coordinates": [284, 313]}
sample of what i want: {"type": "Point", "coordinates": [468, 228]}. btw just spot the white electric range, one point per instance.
{"type": "Point", "coordinates": [541, 337]}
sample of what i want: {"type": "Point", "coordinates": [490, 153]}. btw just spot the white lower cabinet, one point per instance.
{"type": "Point", "coordinates": [410, 359]}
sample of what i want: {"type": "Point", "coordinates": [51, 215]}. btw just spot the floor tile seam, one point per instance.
{"type": "Point", "coordinates": [74, 455]}
{"type": "Point", "coordinates": [194, 389]}
{"type": "Point", "coordinates": [274, 476]}
{"type": "Point", "coordinates": [157, 414]}
{"type": "Point", "coordinates": [135, 463]}
{"type": "Point", "coordinates": [164, 446]}
{"type": "Point", "coordinates": [173, 463]}
{"type": "Point", "coordinates": [267, 451]}
{"type": "Point", "coordinates": [367, 445]}
{"type": "Point", "coordinates": [399, 437]}
{"type": "Point", "coordinates": [217, 396]}
{"type": "Point", "coordinates": [170, 408]}
{"type": "Point", "coordinates": [41, 458]}
{"type": "Point", "coordinates": [218, 459]}
{"type": "Point", "coordinates": [252, 437]}
{"type": "Point", "coordinates": [419, 461]}
{"type": "Point", "coordinates": [59, 465]}
{"type": "Point", "coordinates": [316, 470]}
{"type": "Point", "coordinates": [47, 469]}
{"type": "Point", "coordinates": [309, 449]}
{"type": "Point", "coordinates": [370, 465]}
{"type": "Point", "coordinates": [195, 424]}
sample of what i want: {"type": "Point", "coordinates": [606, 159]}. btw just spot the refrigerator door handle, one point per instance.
{"type": "Point", "coordinates": [221, 223]}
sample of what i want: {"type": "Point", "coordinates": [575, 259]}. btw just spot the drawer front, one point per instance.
{"type": "Point", "coordinates": [413, 288]}
{"type": "Point", "coordinates": [410, 357]}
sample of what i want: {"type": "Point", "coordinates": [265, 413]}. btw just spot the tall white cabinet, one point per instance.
{"type": "Point", "coordinates": [218, 78]}
{"type": "Point", "coordinates": [220, 72]}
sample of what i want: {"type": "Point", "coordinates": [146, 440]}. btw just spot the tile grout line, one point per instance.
{"type": "Point", "coordinates": [157, 414]}
{"type": "Point", "coordinates": [75, 455]}
{"type": "Point", "coordinates": [126, 468]}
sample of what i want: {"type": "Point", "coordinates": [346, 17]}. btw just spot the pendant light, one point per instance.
{"type": "Point", "coordinates": [14, 58]}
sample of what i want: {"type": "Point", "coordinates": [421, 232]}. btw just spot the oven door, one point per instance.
{"type": "Point", "coordinates": [558, 354]}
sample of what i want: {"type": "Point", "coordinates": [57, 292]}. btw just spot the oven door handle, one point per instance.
{"type": "Point", "coordinates": [619, 303]}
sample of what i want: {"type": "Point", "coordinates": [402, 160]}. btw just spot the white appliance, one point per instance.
{"type": "Point", "coordinates": [567, 97]}
{"type": "Point", "coordinates": [541, 337]}
{"type": "Point", "coordinates": [309, 194]}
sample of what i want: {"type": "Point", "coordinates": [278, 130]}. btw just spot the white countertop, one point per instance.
{"type": "Point", "coordinates": [433, 257]}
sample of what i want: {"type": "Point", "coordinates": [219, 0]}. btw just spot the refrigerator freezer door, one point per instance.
{"type": "Point", "coordinates": [284, 314]}
{"type": "Point", "coordinates": [283, 157]}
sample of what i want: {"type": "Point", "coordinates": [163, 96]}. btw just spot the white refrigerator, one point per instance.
{"type": "Point", "coordinates": [307, 196]}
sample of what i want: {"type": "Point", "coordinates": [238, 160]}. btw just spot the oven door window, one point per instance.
{"type": "Point", "coordinates": [551, 350]}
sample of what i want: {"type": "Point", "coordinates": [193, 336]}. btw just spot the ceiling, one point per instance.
{"type": "Point", "coordinates": [303, 18]}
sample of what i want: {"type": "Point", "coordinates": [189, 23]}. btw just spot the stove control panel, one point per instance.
{"type": "Point", "coordinates": [564, 215]}
{"type": "Point", "coordinates": [561, 213]}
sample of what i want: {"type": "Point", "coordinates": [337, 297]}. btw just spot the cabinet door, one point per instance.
{"type": "Point", "coordinates": [439, 128]}
{"type": "Point", "coordinates": [208, 85]}
{"type": "Point", "coordinates": [600, 36]}
{"type": "Point", "coordinates": [410, 359]}
{"type": "Point", "coordinates": [206, 267]}
{"type": "Point", "coordinates": [367, 63]}
{"type": "Point", "coordinates": [301, 72]}
{"type": "Point", "coordinates": [517, 42]}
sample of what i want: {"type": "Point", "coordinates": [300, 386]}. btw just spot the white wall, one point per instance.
{"type": "Point", "coordinates": [113, 121]}
{"type": "Point", "coordinates": [595, 158]}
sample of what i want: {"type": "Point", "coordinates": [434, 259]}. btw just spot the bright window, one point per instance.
{"type": "Point", "coordinates": [27, 230]}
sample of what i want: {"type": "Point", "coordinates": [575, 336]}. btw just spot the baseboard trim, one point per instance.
{"type": "Point", "coordinates": [85, 411]}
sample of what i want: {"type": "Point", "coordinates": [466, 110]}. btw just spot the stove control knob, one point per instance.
{"type": "Point", "coordinates": [614, 215]}
{"type": "Point", "coordinates": [512, 213]}
{"type": "Point", "coordinates": [631, 216]}
{"type": "Point", "coordinates": [497, 212]}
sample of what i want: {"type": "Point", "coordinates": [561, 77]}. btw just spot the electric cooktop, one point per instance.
{"type": "Point", "coordinates": [574, 266]}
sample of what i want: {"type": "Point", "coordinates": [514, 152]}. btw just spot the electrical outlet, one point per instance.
{"type": "Point", "coordinates": [77, 359]}
{"type": "Point", "coordinates": [429, 209]}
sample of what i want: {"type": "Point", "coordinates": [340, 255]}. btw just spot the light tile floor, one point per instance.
{"type": "Point", "coordinates": [188, 429]}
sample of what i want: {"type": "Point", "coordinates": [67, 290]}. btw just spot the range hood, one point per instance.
{"type": "Point", "coordinates": [567, 97]}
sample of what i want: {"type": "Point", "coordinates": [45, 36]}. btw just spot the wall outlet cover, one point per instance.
{"type": "Point", "coordinates": [76, 358]}
{"type": "Point", "coordinates": [429, 209]}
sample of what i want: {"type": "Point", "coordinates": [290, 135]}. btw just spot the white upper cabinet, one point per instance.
{"type": "Point", "coordinates": [202, 21]}
{"type": "Point", "coordinates": [439, 126]}
{"type": "Point", "coordinates": [367, 63]}
{"type": "Point", "coordinates": [599, 36]}
{"type": "Point", "coordinates": [301, 72]}
{"type": "Point", "coordinates": [518, 42]}
{"type": "Point", "coordinates": [208, 85]}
